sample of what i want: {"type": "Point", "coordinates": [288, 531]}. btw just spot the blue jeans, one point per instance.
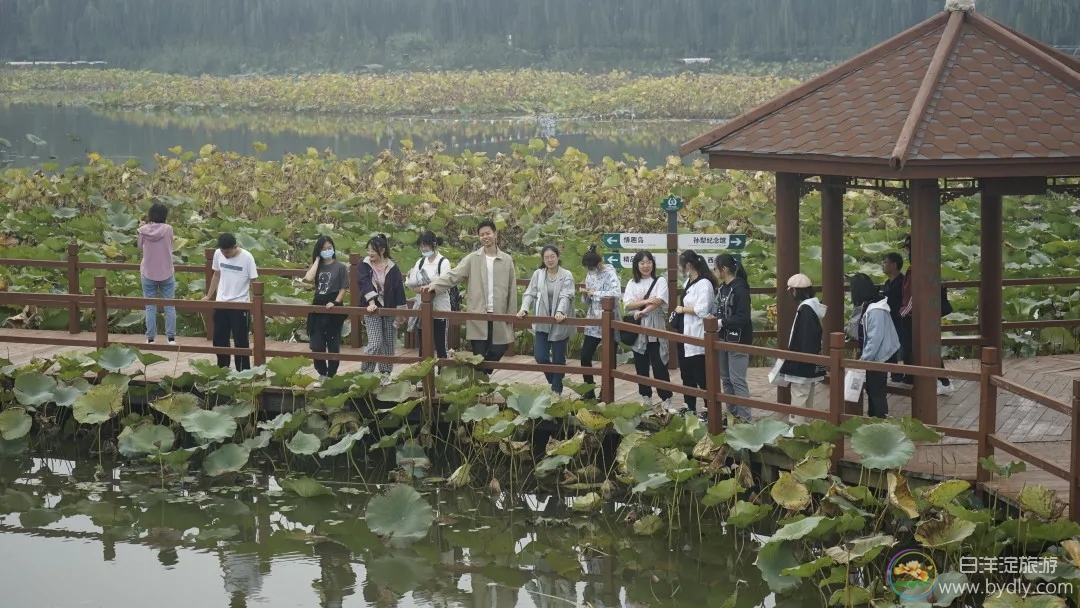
{"type": "Point", "coordinates": [733, 367]}
{"type": "Point", "coordinates": [165, 289]}
{"type": "Point", "coordinates": [547, 352]}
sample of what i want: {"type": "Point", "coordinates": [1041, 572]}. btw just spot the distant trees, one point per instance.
{"type": "Point", "coordinates": [215, 35]}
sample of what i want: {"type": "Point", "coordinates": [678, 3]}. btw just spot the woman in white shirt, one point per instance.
{"type": "Point", "coordinates": [698, 293]}
{"type": "Point", "coordinates": [645, 297]}
{"type": "Point", "coordinates": [429, 267]}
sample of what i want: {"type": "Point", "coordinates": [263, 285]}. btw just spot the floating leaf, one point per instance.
{"type": "Point", "coordinates": [34, 388]}
{"type": "Point", "coordinates": [400, 514]}
{"type": "Point", "coordinates": [14, 423]}
{"type": "Point", "coordinates": [146, 439]}
{"type": "Point", "coordinates": [882, 446]}
{"type": "Point", "coordinates": [305, 487]}
{"type": "Point", "coordinates": [303, 443]}
{"type": "Point", "coordinates": [228, 458]}
{"type": "Point", "coordinates": [208, 426]}
{"type": "Point", "coordinates": [98, 404]}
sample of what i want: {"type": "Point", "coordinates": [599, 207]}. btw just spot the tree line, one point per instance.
{"type": "Point", "coordinates": [212, 35]}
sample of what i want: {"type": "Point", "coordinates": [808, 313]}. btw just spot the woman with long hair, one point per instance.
{"type": "Point", "coordinates": [601, 281]}
{"type": "Point", "coordinates": [878, 340]}
{"type": "Point", "coordinates": [645, 297]}
{"type": "Point", "coordinates": [380, 287]}
{"type": "Point", "coordinates": [698, 293]}
{"type": "Point", "coordinates": [733, 312]}
{"type": "Point", "coordinates": [331, 279]}
{"type": "Point", "coordinates": [550, 294]}
{"type": "Point", "coordinates": [429, 267]}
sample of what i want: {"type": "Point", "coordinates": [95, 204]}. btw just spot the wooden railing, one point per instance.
{"type": "Point", "coordinates": [990, 377]}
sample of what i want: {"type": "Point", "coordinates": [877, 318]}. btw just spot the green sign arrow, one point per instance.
{"type": "Point", "coordinates": [737, 241]}
{"type": "Point", "coordinates": [671, 203]}
{"type": "Point", "coordinates": [611, 239]}
{"type": "Point", "coordinates": [613, 259]}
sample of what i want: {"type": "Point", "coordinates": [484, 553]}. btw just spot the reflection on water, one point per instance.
{"type": "Point", "coordinates": [70, 132]}
{"type": "Point", "coordinates": [73, 535]}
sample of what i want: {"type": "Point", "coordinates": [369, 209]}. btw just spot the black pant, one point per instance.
{"type": "Point", "coordinates": [440, 337]}
{"type": "Point", "coordinates": [231, 323]}
{"type": "Point", "coordinates": [490, 352]}
{"type": "Point", "coordinates": [588, 349]}
{"type": "Point", "coordinates": [876, 395]}
{"type": "Point", "coordinates": [324, 336]}
{"type": "Point", "coordinates": [651, 358]}
{"type": "Point", "coordinates": [693, 375]}
{"type": "Point", "coordinates": [906, 350]}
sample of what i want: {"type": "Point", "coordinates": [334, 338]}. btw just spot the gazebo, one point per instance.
{"type": "Point", "coordinates": [955, 106]}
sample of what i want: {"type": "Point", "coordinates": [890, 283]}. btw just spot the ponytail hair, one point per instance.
{"type": "Point", "coordinates": [728, 261]}
{"type": "Point", "coordinates": [380, 244]}
{"type": "Point", "coordinates": [428, 238]}
{"type": "Point", "coordinates": [698, 263]}
{"type": "Point", "coordinates": [591, 259]}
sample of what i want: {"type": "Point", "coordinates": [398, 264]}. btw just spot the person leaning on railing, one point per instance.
{"type": "Point", "coordinates": [550, 294]}
{"type": "Point", "coordinates": [331, 279]}
{"type": "Point", "coordinates": [429, 267]}
{"type": "Point", "coordinates": [381, 285]}
{"type": "Point", "coordinates": [877, 340]}
{"type": "Point", "coordinates": [601, 281]}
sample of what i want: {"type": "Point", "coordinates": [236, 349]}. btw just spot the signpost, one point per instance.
{"type": "Point", "coordinates": [697, 242]}
{"type": "Point", "coordinates": [625, 260]}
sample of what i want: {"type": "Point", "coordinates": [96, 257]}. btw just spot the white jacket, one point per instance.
{"type": "Point", "coordinates": [699, 298]}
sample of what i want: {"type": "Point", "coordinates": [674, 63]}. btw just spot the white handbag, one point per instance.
{"type": "Point", "coordinates": [854, 379]}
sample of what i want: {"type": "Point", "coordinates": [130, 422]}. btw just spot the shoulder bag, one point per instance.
{"type": "Point", "coordinates": [629, 338]}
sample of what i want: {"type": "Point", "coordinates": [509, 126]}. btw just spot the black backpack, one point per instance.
{"type": "Point", "coordinates": [455, 293]}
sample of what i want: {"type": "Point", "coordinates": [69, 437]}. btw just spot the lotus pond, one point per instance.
{"type": "Point", "coordinates": [248, 489]}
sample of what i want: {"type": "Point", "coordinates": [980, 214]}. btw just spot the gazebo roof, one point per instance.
{"type": "Point", "coordinates": [958, 95]}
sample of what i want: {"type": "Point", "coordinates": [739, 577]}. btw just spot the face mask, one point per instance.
{"type": "Point", "coordinates": [327, 254]}
{"type": "Point", "coordinates": [427, 254]}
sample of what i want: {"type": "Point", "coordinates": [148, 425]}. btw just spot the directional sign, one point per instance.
{"type": "Point", "coordinates": [635, 240]}
{"type": "Point", "coordinates": [671, 203]}
{"type": "Point", "coordinates": [626, 260]}
{"type": "Point", "coordinates": [712, 242]}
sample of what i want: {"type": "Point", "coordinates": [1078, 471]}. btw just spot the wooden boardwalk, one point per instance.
{"type": "Point", "coordinates": [1043, 430]}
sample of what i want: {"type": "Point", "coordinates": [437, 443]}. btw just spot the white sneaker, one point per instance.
{"type": "Point", "coordinates": [646, 401]}
{"type": "Point", "coordinates": [385, 380]}
{"type": "Point", "coordinates": [943, 389]}
{"type": "Point", "coordinates": [668, 407]}
{"type": "Point", "coordinates": [172, 341]}
{"type": "Point", "coordinates": [318, 383]}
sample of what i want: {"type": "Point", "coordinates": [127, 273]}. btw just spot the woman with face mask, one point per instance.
{"type": "Point", "coordinates": [331, 279]}
{"type": "Point", "coordinates": [429, 267]}
{"type": "Point", "coordinates": [698, 293]}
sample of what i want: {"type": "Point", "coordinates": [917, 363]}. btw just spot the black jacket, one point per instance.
{"type": "Point", "coordinates": [732, 306]}
{"type": "Point", "coordinates": [806, 338]}
{"type": "Point", "coordinates": [393, 290]}
{"type": "Point", "coordinates": [894, 291]}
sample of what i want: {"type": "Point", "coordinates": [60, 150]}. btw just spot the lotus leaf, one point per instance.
{"type": "Point", "coordinates": [177, 405]}
{"type": "Point", "coordinates": [550, 464]}
{"type": "Point", "coordinates": [722, 492]}
{"type": "Point", "coordinates": [285, 423]}
{"type": "Point", "coordinates": [65, 395]}
{"type": "Point", "coordinates": [460, 477]}
{"type": "Point", "coordinates": [519, 449]}
{"type": "Point", "coordinates": [480, 412]}
{"type": "Point", "coordinates": [774, 558]}
{"type": "Point", "coordinates": [304, 487]}
{"type": "Point", "coordinates": [403, 409]}
{"type": "Point", "coordinates": [809, 568]}
{"type": "Point", "coordinates": [258, 442]}
{"type": "Point", "coordinates": [34, 388]}
{"type": "Point", "coordinates": [1035, 499]}
{"type": "Point", "coordinates": [285, 368]}
{"type": "Point", "coordinates": [176, 459]}
{"type": "Point", "coordinates": [570, 447]}
{"type": "Point", "coordinates": [626, 426]}
{"type": "Point", "coordinates": [588, 503]}
{"type": "Point", "coordinates": [581, 388]}
{"type": "Point", "coordinates": [945, 532]}
{"type": "Point", "coordinates": [811, 468]}
{"type": "Point", "coordinates": [591, 421]}
{"type": "Point", "coordinates": [228, 458]}
{"type": "Point", "coordinates": [755, 435]}
{"type": "Point", "coordinates": [950, 586]}
{"type": "Point", "coordinates": [14, 423]}
{"type": "Point", "coordinates": [208, 426]}
{"type": "Point", "coordinates": [626, 410]}
{"type": "Point", "coordinates": [148, 359]}
{"type": "Point", "coordinates": [39, 518]}
{"type": "Point", "coordinates": [417, 371]}
{"type": "Point", "coordinates": [916, 430]}
{"type": "Point", "coordinates": [944, 492]}
{"type": "Point", "coordinates": [412, 458]}
{"type": "Point", "coordinates": [1002, 470]}
{"type": "Point", "coordinates": [652, 482]}
{"type": "Point", "coordinates": [882, 446]}
{"type": "Point", "coordinates": [98, 404]}
{"type": "Point", "coordinates": [705, 448]}
{"type": "Point", "coordinates": [900, 496]}
{"type": "Point", "coordinates": [241, 409]}
{"type": "Point", "coordinates": [395, 392]}
{"type": "Point", "coordinates": [789, 493]}
{"type": "Point", "coordinates": [147, 439]}
{"type": "Point", "coordinates": [798, 529]}
{"type": "Point", "coordinates": [303, 443]}
{"type": "Point", "coordinates": [530, 401]}
{"type": "Point", "coordinates": [1072, 548]}
{"type": "Point", "coordinates": [648, 525]}
{"type": "Point", "coordinates": [453, 378]}
{"type": "Point", "coordinates": [116, 357]}
{"type": "Point", "coordinates": [860, 550]}
{"type": "Point", "coordinates": [120, 381]}
{"type": "Point", "coordinates": [1008, 599]}
{"type": "Point", "coordinates": [399, 514]}
{"type": "Point", "coordinates": [850, 596]}
{"type": "Point", "coordinates": [346, 443]}
{"type": "Point", "coordinates": [745, 514]}
{"type": "Point", "coordinates": [819, 431]}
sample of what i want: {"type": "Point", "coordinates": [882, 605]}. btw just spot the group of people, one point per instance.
{"type": "Point", "coordinates": [880, 322]}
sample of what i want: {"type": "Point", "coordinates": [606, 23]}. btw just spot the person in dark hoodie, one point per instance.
{"type": "Point", "coordinates": [877, 340]}
{"type": "Point", "coordinates": [907, 340]}
{"type": "Point", "coordinates": [381, 286]}
{"type": "Point", "coordinates": [733, 312]}
{"type": "Point", "coordinates": [331, 279]}
{"type": "Point", "coordinates": [893, 265]}
{"type": "Point", "coordinates": [806, 334]}
{"type": "Point", "coordinates": [158, 280]}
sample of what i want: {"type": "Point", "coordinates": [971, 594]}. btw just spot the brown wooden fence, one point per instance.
{"type": "Point", "coordinates": [989, 377]}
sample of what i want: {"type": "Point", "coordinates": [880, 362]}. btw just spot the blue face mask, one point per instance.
{"type": "Point", "coordinates": [427, 254]}
{"type": "Point", "coordinates": [327, 254]}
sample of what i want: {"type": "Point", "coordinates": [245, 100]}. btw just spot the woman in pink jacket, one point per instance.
{"type": "Point", "coordinates": [156, 244]}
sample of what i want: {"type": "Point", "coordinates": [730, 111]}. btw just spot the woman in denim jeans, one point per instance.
{"type": "Point", "coordinates": [733, 312]}
{"type": "Point", "coordinates": [550, 294]}
{"type": "Point", "coordinates": [156, 243]}
{"type": "Point", "coordinates": [601, 281]}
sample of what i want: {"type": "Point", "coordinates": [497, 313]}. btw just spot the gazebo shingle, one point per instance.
{"type": "Point", "coordinates": [955, 91]}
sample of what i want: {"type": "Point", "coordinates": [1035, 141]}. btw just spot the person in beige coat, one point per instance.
{"type": "Point", "coordinates": [491, 289]}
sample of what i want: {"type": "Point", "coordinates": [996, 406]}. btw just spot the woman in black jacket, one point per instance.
{"type": "Point", "coordinates": [381, 286]}
{"type": "Point", "coordinates": [806, 337]}
{"type": "Point", "coordinates": [733, 311]}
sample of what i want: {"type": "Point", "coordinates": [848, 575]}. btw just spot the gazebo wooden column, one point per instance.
{"type": "Point", "coordinates": [832, 256]}
{"type": "Point", "coordinates": [925, 209]}
{"type": "Point", "coordinates": [787, 259]}
{"type": "Point", "coordinates": [991, 237]}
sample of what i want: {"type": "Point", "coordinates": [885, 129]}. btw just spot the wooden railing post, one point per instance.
{"type": "Point", "coordinates": [74, 315]}
{"type": "Point", "coordinates": [427, 338]}
{"type": "Point", "coordinates": [258, 324]}
{"type": "Point", "coordinates": [712, 379]}
{"type": "Point", "coordinates": [609, 346]}
{"type": "Point", "coordinates": [101, 313]}
{"type": "Point", "coordinates": [355, 299]}
{"type": "Point", "coordinates": [1074, 457]}
{"type": "Point", "coordinates": [208, 276]}
{"type": "Point", "coordinates": [991, 366]}
{"type": "Point", "coordinates": [837, 344]}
